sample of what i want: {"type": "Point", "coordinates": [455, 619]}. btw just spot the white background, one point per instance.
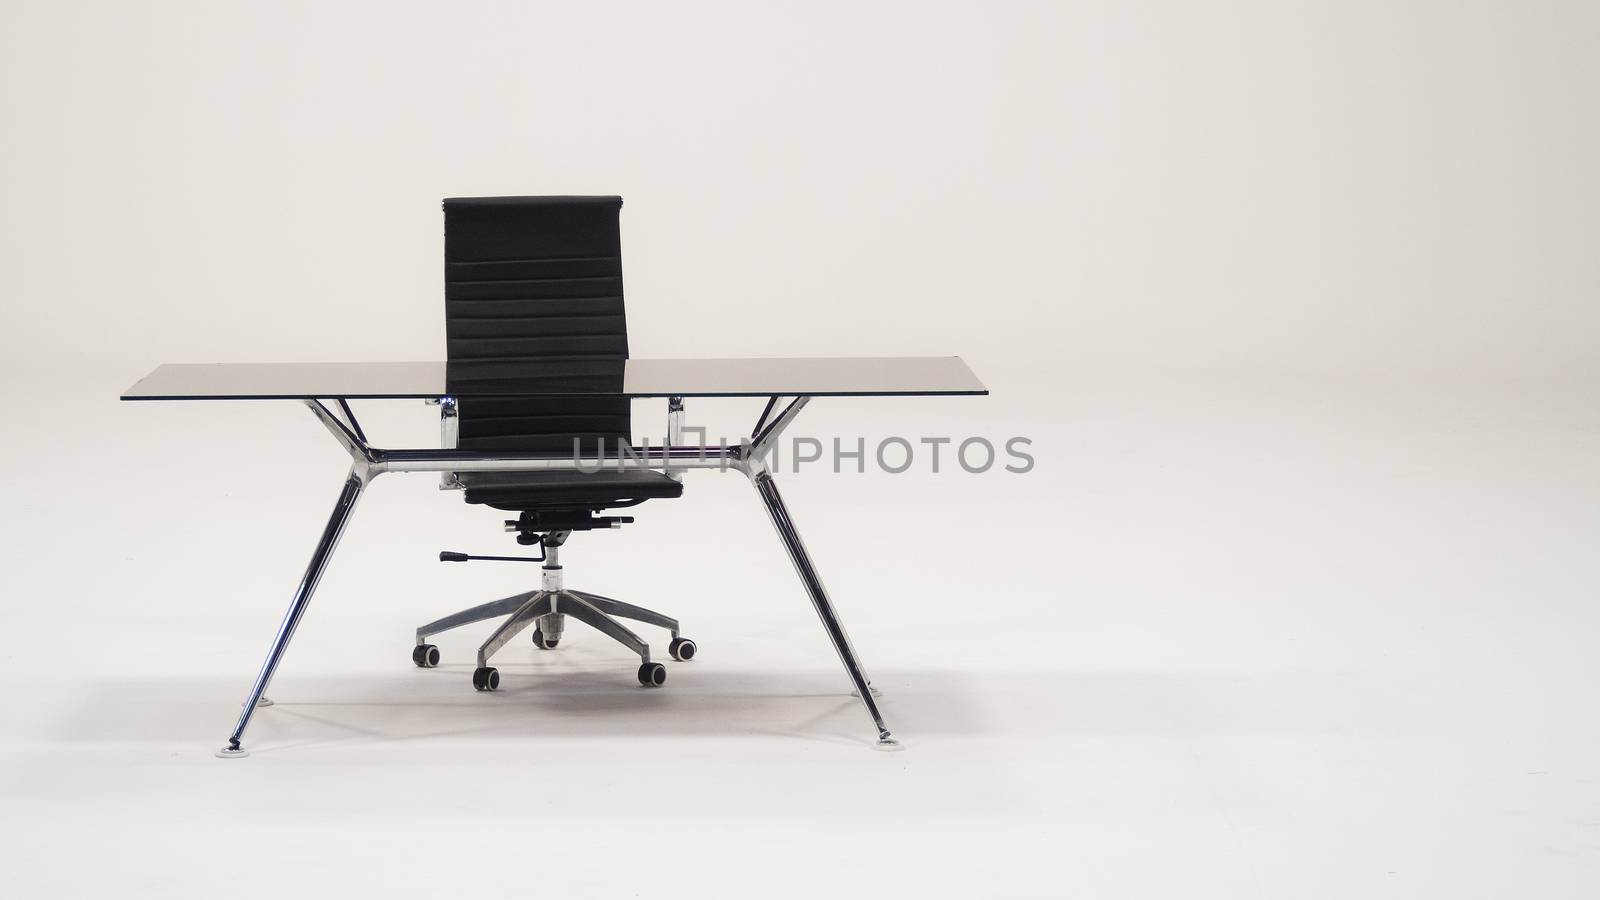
{"type": "Point", "coordinates": [1297, 302]}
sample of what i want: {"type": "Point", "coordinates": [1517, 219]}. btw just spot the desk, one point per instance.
{"type": "Point", "coordinates": [327, 389]}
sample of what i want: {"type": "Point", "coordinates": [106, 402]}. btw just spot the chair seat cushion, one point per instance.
{"type": "Point", "coordinates": [567, 488]}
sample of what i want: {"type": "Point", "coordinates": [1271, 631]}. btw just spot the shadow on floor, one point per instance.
{"type": "Point", "coordinates": [600, 703]}
{"type": "Point", "coordinates": [561, 700]}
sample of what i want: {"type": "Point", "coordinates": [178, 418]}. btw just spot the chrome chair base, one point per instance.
{"type": "Point", "coordinates": [546, 611]}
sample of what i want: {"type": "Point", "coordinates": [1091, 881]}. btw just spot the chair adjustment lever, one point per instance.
{"type": "Point", "coordinates": [452, 556]}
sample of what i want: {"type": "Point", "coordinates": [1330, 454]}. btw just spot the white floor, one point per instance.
{"type": "Point", "coordinates": [1301, 639]}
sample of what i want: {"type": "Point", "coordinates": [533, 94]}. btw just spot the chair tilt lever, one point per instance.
{"type": "Point", "coordinates": [452, 556]}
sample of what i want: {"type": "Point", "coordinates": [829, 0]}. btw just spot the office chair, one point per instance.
{"type": "Point", "coordinates": [533, 294]}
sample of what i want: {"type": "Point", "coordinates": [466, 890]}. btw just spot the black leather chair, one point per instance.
{"type": "Point", "coordinates": [533, 296]}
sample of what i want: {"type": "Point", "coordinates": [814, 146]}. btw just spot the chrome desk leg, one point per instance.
{"type": "Point", "coordinates": [768, 489]}
{"type": "Point", "coordinates": [348, 496]}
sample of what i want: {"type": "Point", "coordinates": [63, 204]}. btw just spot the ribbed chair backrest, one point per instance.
{"type": "Point", "coordinates": [533, 294]}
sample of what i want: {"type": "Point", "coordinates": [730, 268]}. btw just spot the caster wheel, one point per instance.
{"type": "Point", "coordinates": [426, 656]}
{"type": "Point", "coordinates": [486, 678]}
{"type": "Point", "coordinates": [682, 649]}
{"type": "Point", "coordinates": [652, 674]}
{"type": "Point", "coordinates": [542, 642]}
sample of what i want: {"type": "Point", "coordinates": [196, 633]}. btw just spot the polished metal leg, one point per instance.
{"type": "Point", "coordinates": [478, 613]}
{"type": "Point", "coordinates": [353, 485]}
{"type": "Point", "coordinates": [628, 611]}
{"type": "Point", "coordinates": [768, 489]}
{"type": "Point", "coordinates": [577, 607]}
{"type": "Point", "coordinates": [537, 606]}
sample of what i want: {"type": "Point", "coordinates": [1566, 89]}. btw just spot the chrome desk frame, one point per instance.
{"type": "Point", "coordinates": [368, 462]}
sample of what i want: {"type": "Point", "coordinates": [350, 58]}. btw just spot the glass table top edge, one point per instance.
{"type": "Point", "coordinates": [131, 397]}
{"type": "Point", "coordinates": [634, 378]}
